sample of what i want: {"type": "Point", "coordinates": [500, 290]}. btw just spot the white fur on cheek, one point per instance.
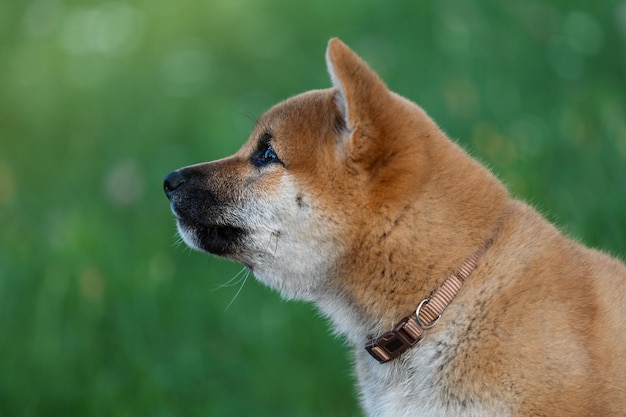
{"type": "Point", "coordinates": [188, 235]}
{"type": "Point", "coordinates": [287, 246]}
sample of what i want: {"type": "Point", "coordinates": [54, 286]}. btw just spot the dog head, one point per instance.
{"type": "Point", "coordinates": [264, 205]}
{"type": "Point", "coordinates": [323, 174]}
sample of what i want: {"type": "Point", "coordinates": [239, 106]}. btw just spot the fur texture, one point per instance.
{"type": "Point", "coordinates": [353, 198]}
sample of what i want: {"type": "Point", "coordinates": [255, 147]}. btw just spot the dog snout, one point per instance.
{"type": "Point", "coordinates": [172, 182]}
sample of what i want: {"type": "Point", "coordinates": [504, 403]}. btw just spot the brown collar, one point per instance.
{"type": "Point", "coordinates": [410, 329]}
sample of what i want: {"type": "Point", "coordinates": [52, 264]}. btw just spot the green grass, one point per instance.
{"type": "Point", "coordinates": [102, 313]}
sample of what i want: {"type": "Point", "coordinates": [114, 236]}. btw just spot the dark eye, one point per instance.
{"type": "Point", "coordinates": [265, 154]}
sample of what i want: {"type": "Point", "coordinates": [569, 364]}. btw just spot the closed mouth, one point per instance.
{"type": "Point", "coordinates": [222, 233]}
{"type": "Point", "coordinates": [220, 240]}
{"type": "Point", "coordinates": [203, 229]}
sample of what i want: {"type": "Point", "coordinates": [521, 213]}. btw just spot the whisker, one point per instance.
{"type": "Point", "coordinates": [248, 115]}
{"type": "Point", "coordinates": [231, 282]}
{"type": "Point", "coordinates": [245, 279]}
{"type": "Point", "coordinates": [178, 240]}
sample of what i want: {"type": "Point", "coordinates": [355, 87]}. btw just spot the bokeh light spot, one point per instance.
{"type": "Point", "coordinates": [185, 72]}
{"type": "Point", "coordinates": [42, 17]}
{"type": "Point", "coordinates": [566, 61]}
{"type": "Point", "coordinates": [461, 98]}
{"type": "Point", "coordinates": [124, 183]}
{"type": "Point", "coordinates": [92, 283]}
{"type": "Point", "coordinates": [109, 28]}
{"type": "Point", "coordinates": [583, 33]}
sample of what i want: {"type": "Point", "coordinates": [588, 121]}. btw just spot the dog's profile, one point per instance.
{"type": "Point", "coordinates": [457, 299]}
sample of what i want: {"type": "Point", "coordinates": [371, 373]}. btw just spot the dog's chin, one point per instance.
{"type": "Point", "coordinates": [219, 240]}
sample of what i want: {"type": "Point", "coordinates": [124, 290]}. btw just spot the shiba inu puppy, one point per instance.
{"type": "Point", "coordinates": [457, 299]}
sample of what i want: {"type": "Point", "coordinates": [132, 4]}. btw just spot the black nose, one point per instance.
{"type": "Point", "coordinates": [172, 181]}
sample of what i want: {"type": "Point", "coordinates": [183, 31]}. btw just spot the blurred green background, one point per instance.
{"type": "Point", "coordinates": [104, 313]}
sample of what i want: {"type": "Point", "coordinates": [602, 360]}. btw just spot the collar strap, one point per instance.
{"type": "Point", "coordinates": [411, 328]}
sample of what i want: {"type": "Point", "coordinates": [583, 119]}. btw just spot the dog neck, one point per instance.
{"type": "Point", "coordinates": [410, 330]}
{"type": "Point", "coordinates": [395, 265]}
{"type": "Point", "coordinates": [361, 321]}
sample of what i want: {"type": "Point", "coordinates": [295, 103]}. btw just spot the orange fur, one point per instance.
{"type": "Point", "coordinates": [379, 207]}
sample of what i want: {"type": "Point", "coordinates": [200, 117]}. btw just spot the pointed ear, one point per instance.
{"type": "Point", "coordinates": [360, 92]}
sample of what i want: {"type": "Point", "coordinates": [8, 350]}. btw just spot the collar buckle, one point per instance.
{"type": "Point", "coordinates": [410, 329]}
{"type": "Point", "coordinates": [394, 343]}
